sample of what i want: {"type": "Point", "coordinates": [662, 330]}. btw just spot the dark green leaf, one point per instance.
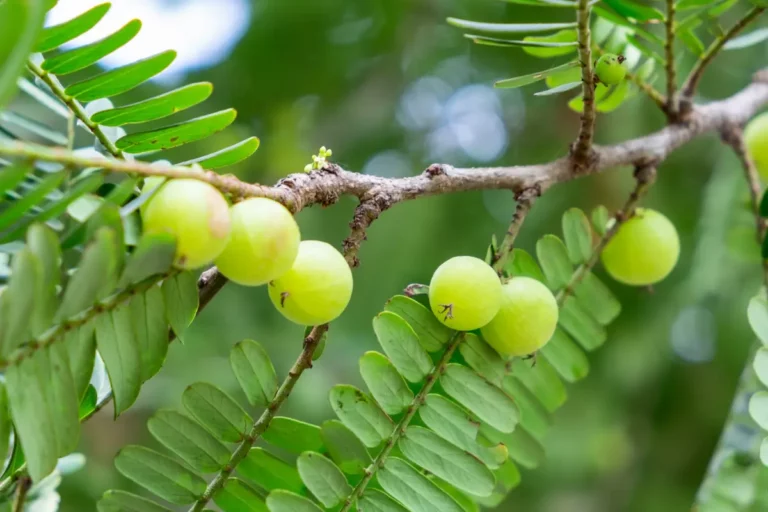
{"type": "Point", "coordinates": [502, 29]}
{"type": "Point", "coordinates": [578, 323]}
{"type": "Point", "coordinates": [376, 501]}
{"type": "Point", "coordinates": [270, 472]}
{"type": "Point", "coordinates": [293, 435]}
{"type": "Point", "coordinates": [20, 24]}
{"type": "Point", "coordinates": [227, 156]}
{"type": "Point", "coordinates": [155, 108]}
{"type": "Point", "coordinates": [635, 11]}
{"type": "Point", "coordinates": [324, 480]}
{"type": "Point", "coordinates": [692, 41]}
{"type": "Point", "coordinates": [181, 301]}
{"type": "Point", "coordinates": [84, 56]}
{"type": "Point", "coordinates": [554, 260]}
{"type": "Point", "coordinates": [432, 334]}
{"type": "Point", "coordinates": [386, 385]}
{"type": "Point", "coordinates": [763, 203]}
{"type": "Point", "coordinates": [481, 397]}
{"type": "Point", "coordinates": [43, 243]}
{"type": "Point", "coordinates": [30, 199]}
{"type": "Point", "coordinates": [360, 414]}
{"type": "Point", "coordinates": [191, 442]}
{"type": "Point", "coordinates": [11, 176]}
{"type": "Point", "coordinates": [541, 380]}
{"type": "Point", "coordinates": [122, 79]}
{"type": "Point", "coordinates": [153, 255]}
{"type": "Point", "coordinates": [159, 474]}
{"type": "Point", "coordinates": [566, 357]}
{"type": "Point", "coordinates": [121, 501]}
{"type": "Point", "coordinates": [88, 403]}
{"type": "Point", "coordinates": [254, 371]}
{"type": "Point", "coordinates": [237, 496]}
{"type": "Point", "coordinates": [344, 448]}
{"type": "Point", "coordinates": [412, 489]}
{"type": "Point", "coordinates": [177, 134]}
{"type": "Point", "coordinates": [285, 501]}
{"type": "Point", "coordinates": [578, 235]}
{"type": "Point", "coordinates": [441, 458]}
{"type": "Point", "coordinates": [57, 35]}
{"type": "Point", "coordinates": [81, 346]}
{"type": "Point", "coordinates": [520, 81]}
{"type": "Point", "coordinates": [20, 300]}
{"type": "Point", "coordinates": [217, 412]}
{"type": "Point", "coordinates": [401, 344]}
{"type": "Point", "coordinates": [523, 264]}
{"type": "Point", "coordinates": [114, 338]}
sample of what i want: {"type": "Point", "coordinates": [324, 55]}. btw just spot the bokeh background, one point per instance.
{"type": "Point", "coordinates": [391, 88]}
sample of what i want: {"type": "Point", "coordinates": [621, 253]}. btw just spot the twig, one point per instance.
{"type": "Point", "coordinates": [583, 145]}
{"type": "Point", "coordinates": [689, 87]}
{"type": "Point", "coordinates": [525, 202]}
{"type": "Point", "coordinates": [669, 47]}
{"type": "Point", "coordinates": [303, 362]}
{"type": "Point", "coordinates": [22, 488]}
{"type": "Point", "coordinates": [645, 177]}
{"type": "Point", "coordinates": [399, 429]}
{"type": "Point", "coordinates": [366, 212]}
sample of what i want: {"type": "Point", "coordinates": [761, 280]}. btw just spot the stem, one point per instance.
{"type": "Point", "coordinates": [21, 494]}
{"type": "Point", "coordinates": [525, 202]}
{"type": "Point", "coordinates": [583, 146]}
{"type": "Point", "coordinates": [365, 213]}
{"type": "Point", "coordinates": [669, 48]}
{"type": "Point", "coordinates": [303, 362]}
{"type": "Point", "coordinates": [645, 177]}
{"type": "Point", "coordinates": [399, 430]}
{"type": "Point", "coordinates": [698, 70]}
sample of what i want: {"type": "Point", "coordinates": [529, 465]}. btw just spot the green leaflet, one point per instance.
{"type": "Point", "coordinates": [20, 24]}
{"type": "Point", "coordinates": [181, 301]}
{"type": "Point", "coordinates": [386, 385]}
{"type": "Point", "coordinates": [507, 478]}
{"type": "Point", "coordinates": [12, 176]}
{"type": "Point", "coordinates": [285, 501]}
{"type": "Point", "coordinates": [401, 344]}
{"type": "Point", "coordinates": [757, 314]}
{"type": "Point", "coordinates": [519, 81]}
{"type": "Point", "coordinates": [541, 381]}
{"type": "Point", "coordinates": [579, 324]}
{"type": "Point", "coordinates": [559, 89]}
{"type": "Point", "coordinates": [565, 357]}
{"type": "Point", "coordinates": [360, 414]}
{"type": "Point", "coordinates": [44, 244]}
{"type": "Point", "coordinates": [636, 11]}
{"type": "Point", "coordinates": [376, 501]}
{"type": "Point", "coordinates": [436, 455]}
{"type": "Point", "coordinates": [760, 365]}
{"type": "Point", "coordinates": [177, 134]}
{"type": "Point", "coordinates": [254, 371]}
{"type": "Point", "coordinates": [84, 56]}
{"type": "Point", "coordinates": [758, 408]}
{"type": "Point", "coordinates": [88, 403]}
{"type": "Point", "coordinates": [553, 256]}
{"type": "Point", "coordinates": [153, 255]}
{"type": "Point", "coordinates": [502, 29]}
{"type": "Point", "coordinates": [344, 448]}
{"type": "Point", "coordinates": [323, 478]}
{"type": "Point", "coordinates": [432, 334]}
{"type": "Point", "coordinates": [21, 300]}
{"type": "Point", "coordinates": [150, 330]}
{"type": "Point", "coordinates": [237, 496]}
{"type": "Point", "coordinates": [155, 108]}
{"type": "Point", "coordinates": [523, 264]}
{"type": "Point", "coordinates": [481, 397]}
{"type": "Point", "coordinates": [159, 474]}
{"type": "Point", "coordinates": [523, 447]}
{"type": "Point", "coordinates": [191, 442]}
{"type": "Point", "coordinates": [449, 421]}
{"type": "Point", "coordinates": [270, 472]}
{"type": "Point", "coordinates": [412, 489]}
{"type": "Point", "coordinates": [554, 45]}
{"type": "Point", "coordinates": [578, 235]}
{"type": "Point", "coordinates": [483, 359]}
{"type": "Point", "coordinates": [600, 217]}
{"type": "Point", "coordinates": [6, 426]}
{"type": "Point", "coordinates": [121, 501]}
{"type": "Point", "coordinates": [227, 156]}
{"type": "Point", "coordinates": [293, 435]}
{"type": "Point", "coordinates": [217, 412]}
{"type": "Point", "coordinates": [465, 502]}
{"type": "Point", "coordinates": [30, 199]}
{"type": "Point", "coordinates": [57, 35]}
{"type": "Point", "coordinates": [533, 416]}
{"type": "Point", "coordinates": [122, 79]}
{"type": "Point", "coordinates": [81, 348]}
{"type": "Point", "coordinates": [597, 299]}
{"type": "Point", "coordinates": [114, 339]}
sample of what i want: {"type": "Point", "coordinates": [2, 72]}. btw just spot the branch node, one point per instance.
{"type": "Point", "coordinates": [435, 170]}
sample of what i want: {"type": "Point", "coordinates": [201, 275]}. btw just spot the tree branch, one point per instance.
{"type": "Point", "coordinates": [583, 145]}
{"type": "Point", "coordinates": [669, 47]}
{"type": "Point", "coordinates": [689, 87]}
{"type": "Point", "coordinates": [525, 202]}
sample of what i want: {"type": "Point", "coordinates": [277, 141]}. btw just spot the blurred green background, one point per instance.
{"type": "Point", "coordinates": [391, 88]}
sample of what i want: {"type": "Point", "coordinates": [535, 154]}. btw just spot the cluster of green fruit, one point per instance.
{"type": "Point", "coordinates": [519, 316]}
{"type": "Point", "coordinates": [254, 242]}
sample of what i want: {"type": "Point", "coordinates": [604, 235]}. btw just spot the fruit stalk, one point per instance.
{"type": "Point", "coordinates": [525, 202]}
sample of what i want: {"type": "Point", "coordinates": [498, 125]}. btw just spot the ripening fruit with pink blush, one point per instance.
{"type": "Point", "coordinates": [196, 214]}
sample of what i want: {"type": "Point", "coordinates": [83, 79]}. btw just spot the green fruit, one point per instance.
{"type": "Point", "coordinates": [151, 185]}
{"type": "Point", "coordinates": [526, 320]}
{"type": "Point", "coordinates": [263, 243]}
{"type": "Point", "coordinates": [196, 214]}
{"type": "Point", "coordinates": [756, 141]}
{"type": "Point", "coordinates": [316, 289]}
{"type": "Point", "coordinates": [465, 293]}
{"type": "Point", "coordinates": [644, 251]}
{"type": "Point", "coordinates": [610, 69]}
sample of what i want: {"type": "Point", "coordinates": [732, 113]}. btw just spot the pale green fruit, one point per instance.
{"type": "Point", "coordinates": [196, 214]}
{"type": "Point", "coordinates": [756, 141]}
{"type": "Point", "coordinates": [610, 69]}
{"type": "Point", "coordinates": [644, 251]}
{"type": "Point", "coordinates": [151, 185]}
{"type": "Point", "coordinates": [526, 320]}
{"type": "Point", "coordinates": [465, 293]}
{"type": "Point", "coordinates": [263, 243]}
{"type": "Point", "coordinates": [316, 289]}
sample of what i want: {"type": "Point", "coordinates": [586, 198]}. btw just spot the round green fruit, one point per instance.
{"type": "Point", "coordinates": [644, 251]}
{"type": "Point", "coordinates": [526, 320]}
{"type": "Point", "coordinates": [151, 185]}
{"type": "Point", "coordinates": [756, 141]}
{"type": "Point", "coordinates": [465, 293]}
{"type": "Point", "coordinates": [610, 69]}
{"type": "Point", "coordinates": [263, 242]}
{"type": "Point", "coordinates": [196, 214]}
{"type": "Point", "coordinates": [316, 289]}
